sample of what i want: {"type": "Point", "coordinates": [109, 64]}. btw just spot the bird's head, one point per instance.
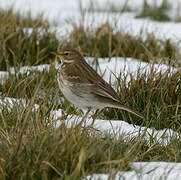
{"type": "Point", "coordinates": [68, 56]}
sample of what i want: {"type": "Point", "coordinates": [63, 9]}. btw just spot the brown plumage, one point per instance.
{"type": "Point", "coordinates": [82, 86]}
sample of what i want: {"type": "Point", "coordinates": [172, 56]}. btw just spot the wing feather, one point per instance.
{"type": "Point", "coordinates": [81, 73]}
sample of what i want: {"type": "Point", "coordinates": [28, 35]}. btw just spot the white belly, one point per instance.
{"type": "Point", "coordinates": [84, 101]}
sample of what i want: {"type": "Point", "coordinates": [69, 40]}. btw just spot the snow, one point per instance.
{"type": "Point", "coordinates": [9, 103]}
{"type": "Point", "coordinates": [3, 76]}
{"type": "Point", "coordinates": [110, 69]}
{"type": "Point", "coordinates": [28, 69]}
{"type": "Point", "coordinates": [135, 5]}
{"type": "Point", "coordinates": [49, 10]}
{"type": "Point", "coordinates": [127, 23]}
{"type": "Point", "coordinates": [131, 3]}
{"type": "Point", "coordinates": [59, 11]}
{"type": "Point", "coordinates": [116, 65]}
{"type": "Point", "coordinates": [107, 68]}
{"type": "Point", "coordinates": [72, 7]}
{"type": "Point", "coordinates": [22, 70]}
{"type": "Point", "coordinates": [144, 171]}
{"type": "Point", "coordinates": [118, 127]}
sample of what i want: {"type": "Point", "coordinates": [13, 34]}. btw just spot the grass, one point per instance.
{"type": "Point", "coordinates": [110, 8]}
{"type": "Point", "coordinates": [20, 47]}
{"type": "Point", "coordinates": [154, 12]}
{"type": "Point", "coordinates": [159, 13]}
{"type": "Point", "coordinates": [69, 153]}
{"type": "Point", "coordinates": [9, 16]}
{"type": "Point", "coordinates": [107, 43]}
{"type": "Point", "coordinates": [31, 148]}
{"type": "Point", "coordinates": [33, 45]}
{"type": "Point", "coordinates": [157, 96]}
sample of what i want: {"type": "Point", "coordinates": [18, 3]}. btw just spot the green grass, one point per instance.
{"type": "Point", "coordinates": [18, 46]}
{"type": "Point", "coordinates": [33, 48]}
{"type": "Point", "coordinates": [154, 12]}
{"type": "Point", "coordinates": [68, 153]}
{"type": "Point", "coordinates": [104, 42]}
{"type": "Point", "coordinates": [31, 148]}
{"type": "Point", "coordinates": [110, 8]}
{"type": "Point", "coordinates": [159, 13]}
{"type": "Point", "coordinates": [9, 16]}
{"type": "Point", "coordinates": [157, 96]}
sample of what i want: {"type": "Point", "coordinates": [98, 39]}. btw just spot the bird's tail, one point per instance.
{"type": "Point", "coordinates": [126, 108]}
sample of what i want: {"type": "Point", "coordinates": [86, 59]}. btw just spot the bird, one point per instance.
{"type": "Point", "coordinates": [84, 87]}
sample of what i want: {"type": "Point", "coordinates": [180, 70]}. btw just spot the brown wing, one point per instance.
{"type": "Point", "coordinates": [89, 77]}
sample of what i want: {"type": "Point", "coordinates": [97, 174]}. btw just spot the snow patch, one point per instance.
{"type": "Point", "coordinates": [110, 69]}
{"type": "Point", "coordinates": [118, 127]}
{"type": "Point", "coordinates": [9, 103]}
{"type": "Point", "coordinates": [144, 171]}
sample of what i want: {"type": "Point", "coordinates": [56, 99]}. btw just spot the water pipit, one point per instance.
{"type": "Point", "coordinates": [83, 87]}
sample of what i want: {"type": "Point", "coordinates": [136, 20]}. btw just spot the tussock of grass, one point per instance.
{"type": "Point", "coordinates": [49, 96]}
{"type": "Point", "coordinates": [104, 42]}
{"type": "Point", "coordinates": [155, 12]}
{"type": "Point", "coordinates": [68, 152]}
{"type": "Point", "coordinates": [110, 8]}
{"type": "Point", "coordinates": [160, 13]}
{"type": "Point", "coordinates": [33, 48]}
{"type": "Point", "coordinates": [158, 96]}
{"type": "Point", "coordinates": [9, 16]}
{"type": "Point", "coordinates": [19, 46]}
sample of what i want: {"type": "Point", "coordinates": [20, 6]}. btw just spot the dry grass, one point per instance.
{"type": "Point", "coordinates": [31, 148]}
{"type": "Point", "coordinates": [104, 42]}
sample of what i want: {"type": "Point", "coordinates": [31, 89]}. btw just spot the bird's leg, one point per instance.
{"type": "Point", "coordinates": [86, 114]}
{"type": "Point", "coordinates": [95, 115]}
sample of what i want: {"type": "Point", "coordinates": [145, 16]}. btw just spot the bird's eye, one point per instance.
{"type": "Point", "coordinates": [66, 54]}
